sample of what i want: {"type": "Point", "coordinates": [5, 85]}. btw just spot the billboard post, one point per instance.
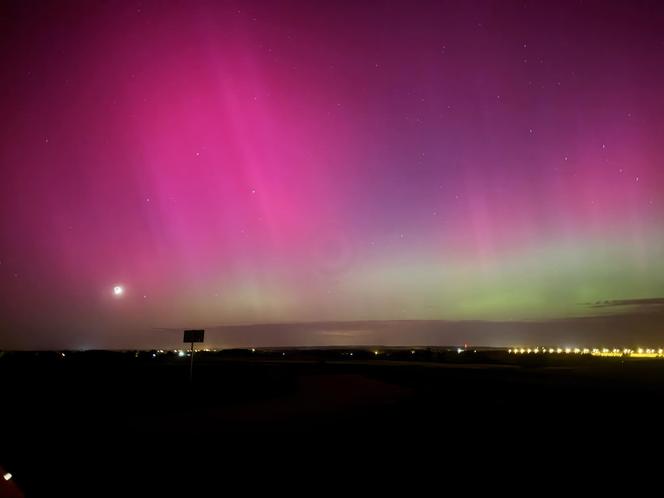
{"type": "Point", "coordinates": [192, 336]}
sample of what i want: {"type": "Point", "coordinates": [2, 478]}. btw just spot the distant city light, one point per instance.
{"type": "Point", "coordinates": [606, 352]}
{"type": "Point", "coordinates": [180, 354]}
{"type": "Point", "coordinates": [7, 476]}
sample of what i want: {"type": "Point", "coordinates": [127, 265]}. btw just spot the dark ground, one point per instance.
{"type": "Point", "coordinates": [89, 423]}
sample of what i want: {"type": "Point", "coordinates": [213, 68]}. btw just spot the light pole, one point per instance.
{"type": "Point", "coordinates": [192, 336]}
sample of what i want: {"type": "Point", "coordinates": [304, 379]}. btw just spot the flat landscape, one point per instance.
{"type": "Point", "coordinates": [111, 417]}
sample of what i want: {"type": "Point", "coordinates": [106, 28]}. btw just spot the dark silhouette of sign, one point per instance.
{"type": "Point", "coordinates": [193, 335]}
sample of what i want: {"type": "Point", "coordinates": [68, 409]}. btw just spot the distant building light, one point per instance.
{"type": "Point", "coordinates": [253, 350]}
{"type": "Point", "coordinates": [7, 476]}
{"type": "Point", "coordinates": [459, 350]}
{"type": "Point", "coordinates": [180, 354]}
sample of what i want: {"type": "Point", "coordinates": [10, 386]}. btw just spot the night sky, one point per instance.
{"type": "Point", "coordinates": [485, 171]}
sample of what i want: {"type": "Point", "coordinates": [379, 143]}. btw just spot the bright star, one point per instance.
{"type": "Point", "coordinates": [118, 290]}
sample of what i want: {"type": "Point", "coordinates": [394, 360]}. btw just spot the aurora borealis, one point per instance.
{"type": "Point", "coordinates": [230, 163]}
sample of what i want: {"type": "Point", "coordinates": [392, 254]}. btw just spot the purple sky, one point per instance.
{"type": "Point", "coordinates": [274, 162]}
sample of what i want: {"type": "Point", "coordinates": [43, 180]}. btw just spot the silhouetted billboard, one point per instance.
{"type": "Point", "coordinates": [193, 335]}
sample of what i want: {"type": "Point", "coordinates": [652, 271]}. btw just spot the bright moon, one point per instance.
{"type": "Point", "coordinates": [118, 290]}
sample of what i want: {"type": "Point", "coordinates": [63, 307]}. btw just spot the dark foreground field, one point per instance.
{"type": "Point", "coordinates": [88, 423]}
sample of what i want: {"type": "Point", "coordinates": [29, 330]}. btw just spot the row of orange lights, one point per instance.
{"type": "Point", "coordinates": [638, 353]}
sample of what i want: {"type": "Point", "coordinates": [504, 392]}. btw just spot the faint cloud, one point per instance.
{"type": "Point", "coordinates": [343, 333]}
{"type": "Point", "coordinates": [612, 303]}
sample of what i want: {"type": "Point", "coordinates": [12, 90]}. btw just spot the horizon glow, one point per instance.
{"type": "Point", "coordinates": [267, 162]}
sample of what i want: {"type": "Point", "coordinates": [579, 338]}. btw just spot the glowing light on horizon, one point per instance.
{"type": "Point", "coordinates": [600, 352]}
